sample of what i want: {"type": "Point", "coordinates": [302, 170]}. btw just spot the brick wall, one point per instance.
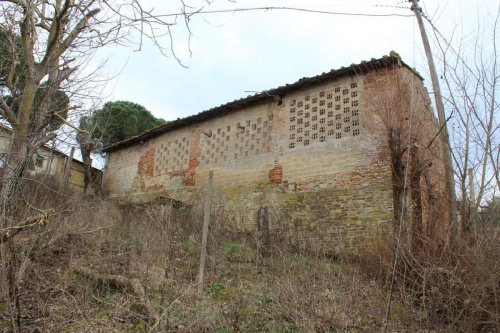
{"type": "Point", "coordinates": [318, 158]}
{"type": "Point", "coordinates": [399, 100]}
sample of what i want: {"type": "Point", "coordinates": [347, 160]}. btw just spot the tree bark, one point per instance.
{"type": "Point", "coordinates": [20, 152]}
{"type": "Point", "coordinates": [91, 182]}
{"type": "Point", "coordinates": [397, 174]}
{"type": "Point", "coordinates": [416, 199]}
{"type": "Point", "coordinates": [9, 268]}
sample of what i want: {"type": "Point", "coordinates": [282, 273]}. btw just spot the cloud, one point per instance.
{"type": "Point", "coordinates": [234, 53]}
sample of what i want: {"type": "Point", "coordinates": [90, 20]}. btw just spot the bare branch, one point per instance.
{"type": "Point", "coordinates": [435, 136]}
{"type": "Point", "coordinates": [6, 112]}
{"type": "Point", "coordinates": [10, 232]}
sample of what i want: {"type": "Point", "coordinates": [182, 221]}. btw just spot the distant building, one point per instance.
{"type": "Point", "coordinates": [316, 152]}
{"type": "Point", "coordinates": [47, 161]}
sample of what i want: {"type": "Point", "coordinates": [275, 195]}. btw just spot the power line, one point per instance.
{"type": "Point", "coordinates": [392, 6]}
{"type": "Point", "coordinates": [282, 8]}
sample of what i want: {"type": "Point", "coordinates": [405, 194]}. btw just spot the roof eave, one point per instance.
{"type": "Point", "coordinates": [353, 70]}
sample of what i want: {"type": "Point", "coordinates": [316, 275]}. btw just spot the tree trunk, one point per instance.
{"type": "Point", "coordinates": [416, 199]}
{"type": "Point", "coordinates": [19, 147]}
{"type": "Point", "coordinates": [20, 152]}
{"type": "Point", "coordinates": [91, 181]}
{"type": "Point", "coordinates": [431, 220]}
{"type": "Point", "coordinates": [397, 174]}
{"type": "Point", "coordinates": [16, 164]}
{"type": "Point", "coordinates": [9, 268]}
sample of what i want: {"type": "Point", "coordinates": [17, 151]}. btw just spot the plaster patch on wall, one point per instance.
{"type": "Point", "coordinates": [147, 162]}
{"type": "Point", "coordinates": [189, 178]}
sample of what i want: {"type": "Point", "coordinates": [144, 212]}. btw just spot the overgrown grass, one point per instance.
{"type": "Point", "coordinates": [288, 291]}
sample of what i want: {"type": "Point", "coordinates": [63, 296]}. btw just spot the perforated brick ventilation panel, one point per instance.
{"type": "Point", "coordinates": [172, 156]}
{"type": "Point", "coordinates": [324, 116]}
{"type": "Point", "coordinates": [236, 141]}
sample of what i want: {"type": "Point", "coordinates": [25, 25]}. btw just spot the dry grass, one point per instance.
{"type": "Point", "coordinates": [456, 285]}
{"type": "Point", "coordinates": [450, 286]}
{"type": "Point", "coordinates": [288, 291]}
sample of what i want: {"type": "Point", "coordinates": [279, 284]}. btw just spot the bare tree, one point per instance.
{"type": "Point", "coordinates": [45, 45]}
{"type": "Point", "coordinates": [471, 75]}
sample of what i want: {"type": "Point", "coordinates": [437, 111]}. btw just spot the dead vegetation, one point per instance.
{"type": "Point", "coordinates": [97, 267]}
{"type": "Point", "coordinates": [451, 287]}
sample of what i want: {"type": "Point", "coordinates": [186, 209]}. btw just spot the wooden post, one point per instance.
{"type": "Point", "coordinates": [67, 169]}
{"type": "Point", "coordinates": [206, 223]}
{"type": "Point", "coordinates": [49, 163]}
{"type": "Point", "coordinates": [263, 240]}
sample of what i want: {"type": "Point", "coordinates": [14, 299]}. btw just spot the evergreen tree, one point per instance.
{"type": "Point", "coordinates": [115, 122]}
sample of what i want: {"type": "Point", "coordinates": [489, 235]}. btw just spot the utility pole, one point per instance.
{"type": "Point", "coordinates": [450, 183]}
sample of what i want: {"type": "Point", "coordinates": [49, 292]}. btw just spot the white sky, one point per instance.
{"type": "Point", "coordinates": [254, 51]}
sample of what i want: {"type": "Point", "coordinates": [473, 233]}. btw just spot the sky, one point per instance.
{"type": "Point", "coordinates": [232, 55]}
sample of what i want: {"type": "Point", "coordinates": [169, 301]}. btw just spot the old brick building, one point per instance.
{"type": "Point", "coordinates": [316, 152]}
